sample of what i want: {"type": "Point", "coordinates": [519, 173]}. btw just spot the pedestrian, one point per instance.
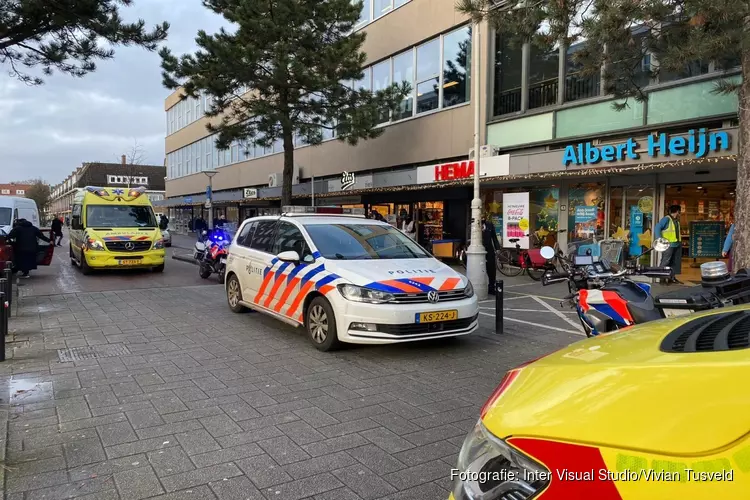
{"type": "Point", "coordinates": [163, 222]}
{"type": "Point", "coordinates": [727, 250]}
{"type": "Point", "coordinates": [24, 237]}
{"type": "Point", "coordinates": [669, 229]}
{"type": "Point", "coordinates": [409, 227]}
{"type": "Point", "coordinates": [57, 231]}
{"type": "Point", "coordinates": [491, 247]}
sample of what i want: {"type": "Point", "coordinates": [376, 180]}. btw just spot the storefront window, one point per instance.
{"type": "Point", "coordinates": [430, 221]}
{"type": "Point", "coordinates": [585, 214]}
{"type": "Point", "coordinates": [456, 67]}
{"type": "Point", "coordinates": [631, 219]}
{"type": "Point", "coordinates": [544, 208]}
{"type": "Point", "coordinates": [508, 67]}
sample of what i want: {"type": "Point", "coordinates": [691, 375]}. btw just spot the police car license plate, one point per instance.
{"type": "Point", "coordinates": [129, 262]}
{"type": "Point", "coordinates": [434, 317]}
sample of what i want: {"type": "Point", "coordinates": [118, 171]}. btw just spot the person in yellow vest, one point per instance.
{"type": "Point", "coordinates": [669, 228]}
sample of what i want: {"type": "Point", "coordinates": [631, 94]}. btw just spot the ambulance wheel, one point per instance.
{"type": "Point", "coordinates": [158, 269]}
{"type": "Point", "coordinates": [85, 269]}
{"type": "Point", "coordinates": [234, 295]}
{"type": "Point", "coordinates": [73, 260]}
{"type": "Point", "coordinates": [320, 324]}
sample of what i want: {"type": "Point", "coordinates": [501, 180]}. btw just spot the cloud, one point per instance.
{"type": "Point", "coordinates": [49, 131]}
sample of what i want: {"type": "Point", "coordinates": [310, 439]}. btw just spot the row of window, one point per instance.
{"type": "Point", "coordinates": [19, 192]}
{"type": "Point", "coordinates": [437, 71]}
{"type": "Point", "coordinates": [372, 10]}
{"type": "Point", "coordinates": [126, 179]}
{"type": "Point", "coordinates": [545, 75]}
{"type": "Point", "coordinates": [273, 237]}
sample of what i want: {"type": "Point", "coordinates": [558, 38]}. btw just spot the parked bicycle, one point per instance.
{"type": "Point", "coordinates": [515, 261]}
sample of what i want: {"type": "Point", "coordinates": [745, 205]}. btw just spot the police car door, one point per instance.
{"type": "Point", "coordinates": [261, 261]}
{"type": "Point", "coordinates": [283, 291]}
{"type": "Point", "coordinates": [239, 257]}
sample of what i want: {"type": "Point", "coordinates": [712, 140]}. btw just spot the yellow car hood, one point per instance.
{"type": "Point", "coordinates": [621, 391]}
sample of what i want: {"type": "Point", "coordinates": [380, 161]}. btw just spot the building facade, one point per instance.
{"type": "Point", "coordinates": [123, 175]}
{"type": "Point", "coordinates": [14, 189]}
{"type": "Point", "coordinates": [558, 163]}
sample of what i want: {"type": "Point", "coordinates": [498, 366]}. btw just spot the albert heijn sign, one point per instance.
{"type": "Point", "coordinates": [493, 166]}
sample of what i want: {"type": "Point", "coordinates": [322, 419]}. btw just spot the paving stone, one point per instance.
{"type": "Point", "coordinates": [333, 445]}
{"type": "Point", "coordinates": [240, 411]}
{"type": "Point", "coordinates": [426, 453]}
{"type": "Point", "coordinates": [168, 405]}
{"type": "Point", "coordinates": [319, 465]}
{"type": "Point", "coordinates": [87, 423]}
{"type": "Point", "coordinates": [263, 471]}
{"type": "Point", "coordinates": [35, 481]}
{"type": "Point", "coordinates": [199, 441]}
{"type": "Point", "coordinates": [345, 428]}
{"type": "Point", "coordinates": [419, 474]}
{"type": "Point", "coordinates": [146, 417]}
{"type": "Point", "coordinates": [138, 483]}
{"type": "Point", "coordinates": [428, 436]}
{"type": "Point", "coordinates": [116, 433]}
{"type": "Point", "coordinates": [83, 452]}
{"type": "Point", "coordinates": [236, 488]}
{"type": "Point", "coordinates": [170, 461]}
{"type": "Point", "coordinates": [396, 423]}
{"type": "Point", "coordinates": [196, 493]}
{"type": "Point", "coordinates": [251, 436]}
{"type": "Point", "coordinates": [90, 489]}
{"type": "Point", "coordinates": [73, 409]}
{"type": "Point", "coordinates": [376, 459]}
{"type": "Point", "coordinates": [200, 476]}
{"type": "Point", "coordinates": [107, 468]}
{"type": "Point", "coordinates": [338, 494]}
{"type": "Point", "coordinates": [363, 482]}
{"type": "Point", "coordinates": [283, 450]}
{"type": "Point", "coordinates": [142, 446]}
{"type": "Point", "coordinates": [300, 432]}
{"type": "Point", "coordinates": [270, 421]}
{"type": "Point", "coordinates": [359, 413]}
{"type": "Point", "coordinates": [226, 455]}
{"type": "Point", "coordinates": [167, 429]}
{"type": "Point", "coordinates": [387, 440]}
{"type": "Point", "coordinates": [104, 398]}
{"type": "Point", "coordinates": [316, 417]}
{"type": "Point", "coordinates": [220, 425]}
{"type": "Point", "coordinates": [181, 416]}
{"type": "Point", "coordinates": [304, 488]}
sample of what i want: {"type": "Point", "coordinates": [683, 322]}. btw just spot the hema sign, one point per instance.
{"type": "Point", "coordinates": [696, 143]}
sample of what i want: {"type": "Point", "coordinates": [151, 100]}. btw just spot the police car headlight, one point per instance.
{"type": "Point", "coordinates": [488, 468]}
{"type": "Point", "coordinates": [361, 294]}
{"type": "Point", "coordinates": [469, 290]}
{"type": "Point", "coordinates": [93, 244]}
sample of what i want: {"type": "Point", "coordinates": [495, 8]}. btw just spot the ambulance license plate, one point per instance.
{"type": "Point", "coordinates": [129, 262]}
{"type": "Point", "coordinates": [436, 316]}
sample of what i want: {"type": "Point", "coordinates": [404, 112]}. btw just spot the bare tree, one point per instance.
{"type": "Point", "coordinates": [136, 155]}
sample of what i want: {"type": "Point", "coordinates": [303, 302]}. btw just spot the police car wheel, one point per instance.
{"type": "Point", "coordinates": [234, 295]}
{"type": "Point", "coordinates": [320, 324]}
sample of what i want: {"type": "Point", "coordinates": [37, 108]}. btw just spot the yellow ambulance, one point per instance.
{"type": "Point", "coordinates": [114, 228]}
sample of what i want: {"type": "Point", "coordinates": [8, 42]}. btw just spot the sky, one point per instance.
{"type": "Point", "coordinates": [48, 131]}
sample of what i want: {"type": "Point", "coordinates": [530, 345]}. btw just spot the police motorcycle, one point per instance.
{"type": "Point", "coordinates": [211, 252]}
{"type": "Point", "coordinates": [603, 295]}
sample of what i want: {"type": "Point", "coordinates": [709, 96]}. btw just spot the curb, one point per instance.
{"type": "Point", "coordinates": [181, 258]}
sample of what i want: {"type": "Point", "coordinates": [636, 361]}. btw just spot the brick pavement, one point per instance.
{"type": "Point", "coordinates": [201, 403]}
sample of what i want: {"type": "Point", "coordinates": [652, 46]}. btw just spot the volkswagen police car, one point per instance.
{"type": "Point", "coordinates": [346, 278]}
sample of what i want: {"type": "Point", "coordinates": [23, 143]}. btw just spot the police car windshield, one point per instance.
{"type": "Point", "coordinates": [119, 216]}
{"type": "Point", "coordinates": [363, 242]}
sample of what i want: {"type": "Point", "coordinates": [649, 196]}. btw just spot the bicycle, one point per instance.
{"type": "Point", "coordinates": [513, 262]}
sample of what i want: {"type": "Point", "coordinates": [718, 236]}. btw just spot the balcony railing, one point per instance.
{"type": "Point", "coordinates": [543, 93]}
{"type": "Point", "coordinates": [582, 87]}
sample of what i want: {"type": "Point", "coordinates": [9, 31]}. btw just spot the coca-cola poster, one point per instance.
{"type": "Point", "coordinates": [516, 220]}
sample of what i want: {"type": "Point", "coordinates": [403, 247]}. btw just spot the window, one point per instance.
{"type": "Point", "coordinates": [577, 85]}
{"type": "Point", "coordinates": [20, 191]}
{"type": "Point", "coordinates": [259, 151]}
{"type": "Point", "coordinates": [75, 220]}
{"type": "Point", "coordinates": [381, 80]}
{"type": "Point", "coordinates": [456, 67]}
{"type": "Point", "coordinates": [403, 71]}
{"type": "Point", "coordinates": [246, 234]}
{"type": "Point", "coordinates": [364, 83]}
{"type": "Point", "coordinates": [263, 237]}
{"type": "Point", "coordinates": [228, 156]}
{"type": "Point", "coordinates": [5, 191]}
{"type": "Point", "coordinates": [364, 18]}
{"type": "Point", "coordinates": [544, 69]}
{"type": "Point", "coordinates": [289, 238]}
{"type": "Point", "coordinates": [5, 214]}
{"type": "Point", "coordinates": [198, 102]}
{"type": "Point", "coordinates": [428, 76]}
{"type": "Point", "coordinates": [363, 242]}
{"type": "Point", "coordinates": [188, 114]}
{"type": "Point", "coordinates": [235, 153]}
{"type": "Point", "coordinates": [209, 152]}
{"type": "Point", "coordinates": [399, 3]}
{"type": "Point", "coordinates": [119, 216]}
{"type": "Point", "coordinates": [381, 7]}
{"type": "Point", "coordinates": [188, 162]}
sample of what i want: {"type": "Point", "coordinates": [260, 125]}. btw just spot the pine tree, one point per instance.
{"type": "Point", "coordinates": [66, 35]}
{"type": "Point", "coordinates": [298, 58]}
{"type": "Point", "coordinates": [619, 33]}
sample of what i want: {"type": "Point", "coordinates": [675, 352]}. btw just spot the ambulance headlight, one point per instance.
{"type": "Point", "coordinates": [159, 244]}
{"type": "Point", "coordinates": [361, 294]}
{"type": "Point", "coordinates": [93, 244]}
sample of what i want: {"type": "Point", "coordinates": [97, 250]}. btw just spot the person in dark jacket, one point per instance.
{"type": "Point", "coordinates": [57, 231]}
{"type": "Point", "coordinates": [491, 246]}
{"type": "Point", "coordinates": [24, 237]}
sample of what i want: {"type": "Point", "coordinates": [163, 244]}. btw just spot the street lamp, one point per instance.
{"type": "Point", "coordinates": [210, 193]}
{"type": "Point", "coordinates": [476, 253]}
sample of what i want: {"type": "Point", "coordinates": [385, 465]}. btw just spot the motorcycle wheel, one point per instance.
{"type": "Point", "coordinates": [535, 273]}
{"type": "Point", "coordinates": [222, 275]}
{"type": "Point", "coordinates": [204, 271]}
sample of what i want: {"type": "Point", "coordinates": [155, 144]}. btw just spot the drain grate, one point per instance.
{"type": "Point", "coordinates": [92, 352]}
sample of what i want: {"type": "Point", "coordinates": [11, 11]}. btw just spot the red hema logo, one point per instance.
{"type": "Point", "coordinates": [454, 171]}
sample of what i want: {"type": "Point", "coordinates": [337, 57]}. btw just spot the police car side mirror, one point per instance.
{"type": "Point", "coordinates": [289, 256]}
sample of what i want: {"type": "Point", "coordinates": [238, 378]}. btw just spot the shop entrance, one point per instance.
{"type": "Point", "coordinates": [631, 219]}
{"type": "Point", "coordinates": [706, 215]}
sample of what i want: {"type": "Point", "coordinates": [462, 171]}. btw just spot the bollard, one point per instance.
{"type": "Point", "coordinates": [4, 310]}
{"type": "Point", "coordinates": [8, 289]}
{"type": "Point", "coordinates": [499, 307]}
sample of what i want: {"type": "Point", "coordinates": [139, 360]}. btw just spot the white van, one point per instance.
{"type": "Point", "coordinates": [13, 208]}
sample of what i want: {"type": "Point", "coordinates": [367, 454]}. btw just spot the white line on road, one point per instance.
{"type": "Point", "coordinates": [536, 324]}
{"type": "Point", "coordinates": [556, 312]}
{"type": "Point", "coordinates": [526, 310]}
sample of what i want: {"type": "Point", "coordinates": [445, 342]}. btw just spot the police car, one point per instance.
{"type": "Point", "coordinates": [345, 278]}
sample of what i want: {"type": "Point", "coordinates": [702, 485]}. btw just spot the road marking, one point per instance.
{"type": "Point", "coordinates": [556, 312]}
{"type": "Point", "coordinates": [537, 324]}
{"type": "Point", "coordinates": [530, 295]}
{"type": "Point", "coordinates": [528, 310]}
{"type": "Point", "coordinates": [506, 298]}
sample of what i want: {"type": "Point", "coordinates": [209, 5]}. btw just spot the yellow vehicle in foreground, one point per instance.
{"type": "Point", "coordinates": [114, 228]}
{"type": "Point", "coordinates": [659, 411]}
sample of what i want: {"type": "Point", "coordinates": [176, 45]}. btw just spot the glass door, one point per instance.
{"type": "Point", "coordinates": [631, 219]}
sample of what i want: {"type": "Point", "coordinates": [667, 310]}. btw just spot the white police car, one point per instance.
{"type": "Point", "coordinates": [346, 278]}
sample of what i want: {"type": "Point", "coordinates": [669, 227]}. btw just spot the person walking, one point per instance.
{"type": "Point", "coordinates": [491, 246]}
{"type": "Point", "coordinates": [669, 229]}
{"type": "Point", "coordinates": [409, 227]}
{"type": "Point", "coordinates": [57, 231]}
{"type": "Point", "coordinates": [727, 250]}
{"type": "Point", "coordinates": [24, 237]}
